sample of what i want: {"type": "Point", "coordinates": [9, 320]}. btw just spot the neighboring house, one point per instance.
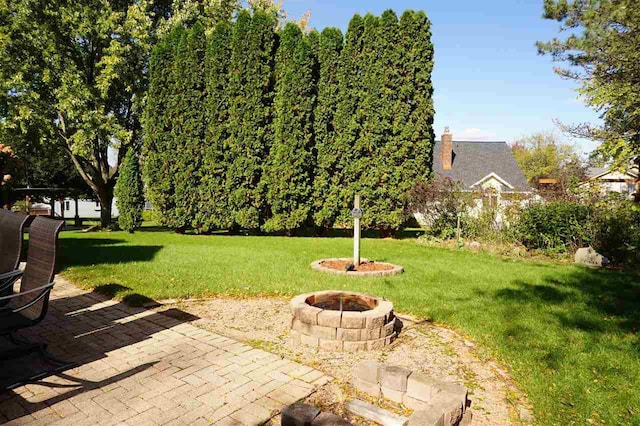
{"type": "Point", "coordinates": [488, 168]}
{"type": "Point", "coordinates": [479, 165]}
{"type": "Point", "coordinates": [609, 180]}
{"type": "Point", "coordinates": [87, 209]}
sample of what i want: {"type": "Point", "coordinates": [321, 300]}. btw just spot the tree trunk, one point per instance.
{"type": "Point", "coordinates": [105, 195]}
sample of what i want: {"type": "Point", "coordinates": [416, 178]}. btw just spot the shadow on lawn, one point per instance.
{"type": "Point", "coordinates": [611, 299]}
{"type": "Point", "coordinates": [96, 251]}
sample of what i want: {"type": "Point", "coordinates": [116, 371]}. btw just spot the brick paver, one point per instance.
{"type": "Point", "coordinates": [139, 367]}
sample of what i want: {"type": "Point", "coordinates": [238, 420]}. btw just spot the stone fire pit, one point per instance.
{"type": "Point", "coordinates": [366, 268]}
{"type": "Point", "coordinates": [342, 321]}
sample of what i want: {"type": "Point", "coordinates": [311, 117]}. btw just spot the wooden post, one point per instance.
{"type": "Point", "coordinates": [356, 230]}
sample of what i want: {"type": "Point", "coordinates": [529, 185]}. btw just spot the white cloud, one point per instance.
{"type": "Point", "coordinates": [473, 134]}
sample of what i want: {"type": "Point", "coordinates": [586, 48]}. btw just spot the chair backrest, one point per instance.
{"type": "Point", "coordinates": [41, 261]}
{"type": "Point", "coordinates": [11, 238]}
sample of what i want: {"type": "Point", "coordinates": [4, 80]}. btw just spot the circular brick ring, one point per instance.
{"type": "Point", "coordinates": [393, 269]}
{"type": "Point", "coordinates": [342, 321]}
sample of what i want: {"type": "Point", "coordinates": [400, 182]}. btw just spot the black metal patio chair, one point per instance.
{"type": "Point", "coordinates": [29, 306]}
{"type": "Point", "coordinates": [11, 239]}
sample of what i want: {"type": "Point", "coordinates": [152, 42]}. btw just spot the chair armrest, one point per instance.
{"type": "Point", "coordinates": [16, 273]}
{"type": "Point", "coordinates": [42, 289]}
{"type": "Point", "coordinates": [8, 278]}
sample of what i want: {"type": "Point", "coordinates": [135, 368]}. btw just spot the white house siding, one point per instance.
{"type": "Point", "coordinates": [87, 209]}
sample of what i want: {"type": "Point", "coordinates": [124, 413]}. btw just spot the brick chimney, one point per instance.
{"type": "Point", "coordinates": [446, 148]}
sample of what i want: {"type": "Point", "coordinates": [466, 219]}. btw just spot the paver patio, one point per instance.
{"type": "Point", "coordinates": [137, 367]}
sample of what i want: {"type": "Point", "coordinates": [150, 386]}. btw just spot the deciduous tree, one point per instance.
{"type": "Point", "coordinates": [79, 70]}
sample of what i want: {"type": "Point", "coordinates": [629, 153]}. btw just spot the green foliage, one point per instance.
{"type": "Point", "coordinates": [615, 231]}
{"type": "Point", "coordinates": [289, 171]}
{"type": "Point", "coordinates": [158, 143]}
{"type": "Point", "coordinates": [81, 71]}
{"type": "Point", "coordinates": [542, 155]}
{"type": "Point", "coordinates": [250, 92]}
{"type": "Point", "coordinates": [327, 175]}
{"type": "Point", "coordinates": [213, 211]}
{"type": "Point", "coordinates": [273, 129]}
{"type": "Point", "coordinates": [558, 226]}
{"type": "Point", "coordinates": [603, 54]}
{"type": "Point", "coordinates": [188, 126]}
{"type": "Point", "coordinates": [129, 193]}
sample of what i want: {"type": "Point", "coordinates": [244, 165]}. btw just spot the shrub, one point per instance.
{"type": "Point", "coordinates": [558, 226]}
{"type": "Point", "coordinates": [129, 193]}
{"type": "Point", "coordinates": [615, 231]}
{"type": "Point", "coordinates": [439, 203]}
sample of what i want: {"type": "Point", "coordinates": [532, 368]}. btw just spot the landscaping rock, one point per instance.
{"type": "Point", "coordinates": [372, 389]}
{"type": "Point", "coordinates": [466, 418]}
{"type": "Point", "coordinates": [299, 415]}
{"type": "Point", "coordinates": [589, 257]}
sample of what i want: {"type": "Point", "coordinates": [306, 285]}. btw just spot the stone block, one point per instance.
{"type": "Point", "coordinates": [415, 404]}
{"type": "Point", "coordinates": [329, 419]}
{"type": "Point", "coordinates": [295, 336]}
{"type": "Point", "coordinates": [330, 345]}
{"type": "Point", "coordinates": [369, 388]}
{"type": "Point", "coordinates": [388, 328]}
{"type": "Point", "coordinates": [368, 371]}
{"type": "Point", "coordinates": [423, 387]}
{"type": "Point", "coordinates": [300, 326]}
{"type": "Point", "coordinates": [374, 345]}
{"type": "Point", "coordinates": [308, 314]}
{"type": "Point", "coordinates": [371, 333]}
{"type": "Point", "coordinates": [352, 320]}
{"type": "Point", "coordinates": [309, 340]}
{"type": "Point", "coordinates": [392, 394]}
{"type": "Point", "coordinates": [373, 319]}
{"type": "Point", "coordinates": [299, 415]}
{"type": "Point", "coordinates": [451, 407]}
{"type": "Point", "coordinates": [467, 417]}
{"type": "Point", "coordinates": [389, 339]}
{"type": "Point", "coordinates": [348, 334]}
{"type": "Point", "coordinates": [327, 333]}
{"type": "Point", "coordinates": [426, 418]}
{"type": "Point", "coordinates": [354, 346]}
{"type": "Point", "coordinates": [330, 318]}
{"type": "Point", "coordinates": [393, 377]}
{"type": "Point", "coordinates": [296, 302]}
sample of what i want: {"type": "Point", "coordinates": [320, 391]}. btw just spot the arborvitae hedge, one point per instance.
{"type": "Point", "coordinates": [326, 179]}
{"type": "Point", "coordinates": [250, 91]}
{"type": "Point", "coordinates": [189, 126]}
{"type": "Point", "coordinates": [289, 167]}
{"type": "Point", "coordinates": [129, 193]}
{"type": "Point", "coordinates": [275, 130]}
{"type": "Point", "coordinates": [158, 149]}
{"type": "Point", "coordinates": [213, 212]}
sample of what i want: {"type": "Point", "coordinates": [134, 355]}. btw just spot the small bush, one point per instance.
{"type": "Point", "coordinates": [557, 226]}
{"type": "Point", "coordinates": [615, 231]}
{"type": "Point", "coordinates": [439, 203]}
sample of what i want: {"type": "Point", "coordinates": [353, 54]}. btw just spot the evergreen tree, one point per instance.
{"type": "Point", "coordinates": [326, 183]}
{"type": "Point", "coordinates": [129, 193]}
{"type": "Point", "coordinates": [250, 97]}
{"type": "Point", "coordinates": [213, 212]}
{"type": "Point", "coordinates": [289, 173]}
{"type": "Point", "coordinates": [338, 193]}
{"type": "Point", "coordinates": [158, 148]}
{"type": "Point", "coordinates": [189, 126]}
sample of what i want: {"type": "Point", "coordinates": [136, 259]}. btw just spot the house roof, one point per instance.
{"type": "Point", "coordinates": [473, 161]}
{"type": "Point", "coordinates": [596, 172]}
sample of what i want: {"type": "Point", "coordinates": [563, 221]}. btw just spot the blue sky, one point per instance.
{"type": "Point", "coordinates": [490, 83]}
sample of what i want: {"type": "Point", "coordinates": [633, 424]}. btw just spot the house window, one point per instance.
{"type": "Point", "coordinates": [97, 203]}
{"type": "Point", "coordinates": [66, 205]}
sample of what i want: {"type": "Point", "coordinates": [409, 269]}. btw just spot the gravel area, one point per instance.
{"type": "Point", "coordinates": [421, 346]}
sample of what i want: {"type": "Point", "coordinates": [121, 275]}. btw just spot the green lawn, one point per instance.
{"type": "Point", "coordinates": [569, 334]}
